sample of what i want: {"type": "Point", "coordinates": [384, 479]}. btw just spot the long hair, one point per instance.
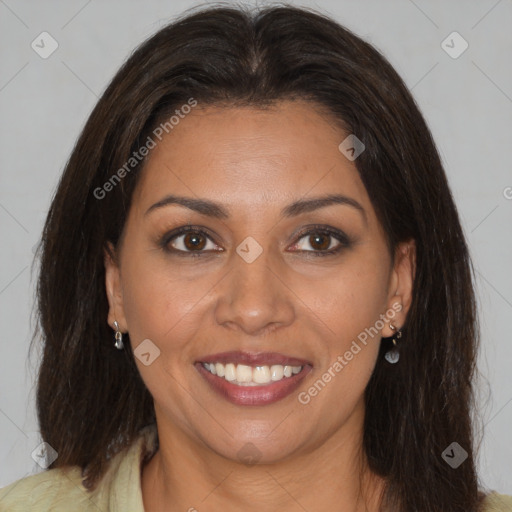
{"type": "Point", "coordinates": [91, 400]}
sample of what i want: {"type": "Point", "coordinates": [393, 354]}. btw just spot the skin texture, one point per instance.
{"type": "Point", "coordinates": [255, 162]}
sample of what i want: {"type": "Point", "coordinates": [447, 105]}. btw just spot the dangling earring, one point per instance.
{"type": "Point", "coordinates": [392, 356]}
{"type": "Point", "coordinates": [119, 337]}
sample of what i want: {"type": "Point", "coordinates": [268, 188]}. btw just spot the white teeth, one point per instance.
{"type": "Point", "coordinates": [245, 375]}
{"type": "Point", "coordinates": [261, 374]}
{"type": "Point", "coordinates": [229, 372]}
{"type": "Point", "coordinates": [219, 368]}
{"type": "Point", "coordinates": [277, 372]}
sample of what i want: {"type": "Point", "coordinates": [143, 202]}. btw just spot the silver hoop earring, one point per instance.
{"type": "Point", "coordinates": [392, 356]}
{"type": "Point", "coordinates": [119, 337]}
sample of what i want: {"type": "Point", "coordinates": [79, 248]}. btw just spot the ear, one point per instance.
{"type": "Point", "coordinates": [401, 285]}
{"type": "Point", "coordinates": [114, 289]}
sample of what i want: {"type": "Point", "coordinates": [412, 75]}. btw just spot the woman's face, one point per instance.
{"type": "Point", "coordinates": [254, 276]}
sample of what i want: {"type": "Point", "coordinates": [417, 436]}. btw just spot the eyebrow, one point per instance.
{"type": "Point", "coordinates": [216, 210]}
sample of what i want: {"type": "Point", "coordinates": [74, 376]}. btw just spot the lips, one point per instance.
{"type": "Point", "coordinates": [253, 359]}
{"type": "Point", "coordinates": [254, 394]}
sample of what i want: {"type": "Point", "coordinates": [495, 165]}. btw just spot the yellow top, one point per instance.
{"type": "Point", "coordinates": [61, 490]}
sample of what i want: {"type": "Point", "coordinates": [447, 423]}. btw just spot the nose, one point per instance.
{"type": "Point", "coordinates": [254, 297]}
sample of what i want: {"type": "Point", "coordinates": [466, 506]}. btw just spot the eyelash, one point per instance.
{"type": "Point", "coordinates": [344, 240]}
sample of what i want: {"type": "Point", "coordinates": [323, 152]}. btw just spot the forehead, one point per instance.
{"type": "Point", "coordinates": [252, 155]}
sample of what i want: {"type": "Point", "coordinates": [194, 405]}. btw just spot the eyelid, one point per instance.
{"type": "Point", "coordinates": [340, 235]}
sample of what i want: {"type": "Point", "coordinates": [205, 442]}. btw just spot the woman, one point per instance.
{"type": "Point", "coordinates": [255, 292]}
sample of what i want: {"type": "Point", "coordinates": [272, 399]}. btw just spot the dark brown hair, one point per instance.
{"type": "Point", "coordinates": [91, 401]}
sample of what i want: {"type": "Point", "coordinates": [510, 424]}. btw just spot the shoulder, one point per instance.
{"type": "Point", "coordinates": [54, 489]}
{"type": "Point", "coordinates": [62, 490]}
{"type": "Point", "coordinates": [495, 502]}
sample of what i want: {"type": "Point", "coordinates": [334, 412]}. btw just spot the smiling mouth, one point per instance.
{"type": "Point", "coordinates": [249, 378]}
{"type": "Point", "coordinates": [244, 375]}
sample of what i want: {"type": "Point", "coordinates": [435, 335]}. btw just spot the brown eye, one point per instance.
{"type": "Point", "coordinates": [322, 241]}
{"type": "Point", "coordinates": [193, 241]}
{"type": "Point", "coordinates": [188, 240]}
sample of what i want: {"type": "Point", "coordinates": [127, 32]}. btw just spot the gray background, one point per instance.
{"type": "Point", "coordinates": [467, 102]}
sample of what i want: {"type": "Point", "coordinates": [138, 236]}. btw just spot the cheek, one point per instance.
{"type": "Point", "coordinates": [156, 299]}
{"type": "Point", "coordinates": [164, 305]}
{"type": "Point", "coordinates": [351, 298]}
{"type": "Point", "coordinates": [350, 306]}
{"type": "Point", "coordinates": [162, 308]}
